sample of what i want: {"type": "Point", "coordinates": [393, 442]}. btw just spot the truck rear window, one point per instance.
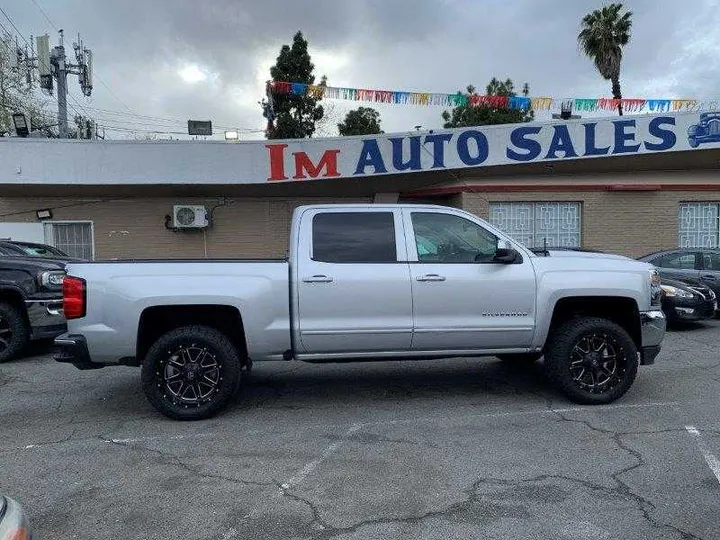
{"type": "Point", "coordinates": [354, 237]}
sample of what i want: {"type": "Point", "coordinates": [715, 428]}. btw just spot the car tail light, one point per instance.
{"type": "Point", "coordinates": [74, 297]}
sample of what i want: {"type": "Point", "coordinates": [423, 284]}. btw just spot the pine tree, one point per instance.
{"type": "Point", "coordinates": [293, 116]}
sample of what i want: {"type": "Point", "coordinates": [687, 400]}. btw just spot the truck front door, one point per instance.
{"type": "Point", "coordinates": [353, 282]}
{"type": "Point", "coordinates": [462, 298]}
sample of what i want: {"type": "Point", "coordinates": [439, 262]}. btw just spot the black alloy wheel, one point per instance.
{"type": "Point", "coordinates": [598, 363]}
{"type": "Point", "coordinates": [14, 333]}
{"type": "Point", "coordinates": [591, 360]}
{"type": "Point", "coordinates": [191, 372]}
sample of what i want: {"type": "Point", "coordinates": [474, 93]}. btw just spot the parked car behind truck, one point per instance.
{"type": "Point", "coordinates": [30, 302]}
{"type": "Point", "coordinates": [365, 282]}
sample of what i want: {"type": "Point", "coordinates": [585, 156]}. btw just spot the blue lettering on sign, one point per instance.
{"type": "Point", "coordinates": [561, 142]}
{"type": "Point", "coordinates": [590, 148]}
{"type": "Point", "coordinates": [397, 152]}
{"type": "Point", "coordinates": [463, 147]}
{"type": "Point", "coordinates": [370, 156]}
{"type": "Point", "coordinates": [519, 140]}
{"type": "Point", "coordinates": [667, 137]}
{"type": "Point", "coordinates": [622, 136]}
{"type": "Point", "coordinates": [438, 140]}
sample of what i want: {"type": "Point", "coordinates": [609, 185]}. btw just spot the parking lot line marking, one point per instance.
{"type": "Point", "coordinates": [312, 465]}
{"type": "Point", "coordinates": [523, 413]}
{"type": "Point", "coordinates": [710, 459]}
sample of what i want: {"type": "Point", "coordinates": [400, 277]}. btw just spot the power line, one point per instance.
{"type": "Point", "coordinates": [12, 23]}
{"type": "Point", "coordinates": [47, 18]}
{"type": "Point", "coordinates": [163, 119]}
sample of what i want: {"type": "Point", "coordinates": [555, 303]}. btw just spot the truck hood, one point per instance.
{"type": "Point", "coordinates": [587, 261]}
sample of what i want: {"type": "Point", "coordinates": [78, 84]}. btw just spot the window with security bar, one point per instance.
{"type": "Point", "coordinates": [74, 238]}
{"type": "Point", "coordinates": [699, 225]}
{"type": "Point", "coordinates": [536, 224]}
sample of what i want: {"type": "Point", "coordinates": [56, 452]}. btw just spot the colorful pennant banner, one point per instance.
{"type": "Point", "coordinates": [515, 102]}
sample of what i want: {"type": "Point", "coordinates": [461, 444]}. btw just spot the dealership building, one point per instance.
{"type": "Point", "coordinates": [629, 185]}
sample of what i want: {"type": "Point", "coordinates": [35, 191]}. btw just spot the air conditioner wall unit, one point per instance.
{"type": "Point", "coordinates": [189, 217]}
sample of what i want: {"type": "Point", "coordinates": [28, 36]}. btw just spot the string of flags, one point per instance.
{"type": "Point", "coordinates": [498, 102]}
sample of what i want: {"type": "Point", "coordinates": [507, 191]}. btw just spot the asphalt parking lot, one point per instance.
{"type": "Point", "coordinates": [469, 448]}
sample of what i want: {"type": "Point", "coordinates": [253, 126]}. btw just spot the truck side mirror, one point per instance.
{"type": "Point", "coordinates": [506, 255]}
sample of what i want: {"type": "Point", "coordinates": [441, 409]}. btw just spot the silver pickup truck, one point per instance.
{"type": "Point", "coordinates": [365, 282]}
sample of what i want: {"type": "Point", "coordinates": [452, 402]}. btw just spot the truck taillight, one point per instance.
{"type": "Point", "coordinates": [74, 297]}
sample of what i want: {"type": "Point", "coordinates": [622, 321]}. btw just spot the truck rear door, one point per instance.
{"type": "Point", "coordinates": [462, 298]}
{"type": "Point", "coordinates": [353, 281]}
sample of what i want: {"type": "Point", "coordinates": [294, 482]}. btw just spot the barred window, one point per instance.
{"type": "Point", "coordinates": [73, 238]}
{"type": "Point", "coordinates": [536, 224]}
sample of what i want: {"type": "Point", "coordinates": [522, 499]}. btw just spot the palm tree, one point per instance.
{"type": "Point", "coordinates": [603, 34]}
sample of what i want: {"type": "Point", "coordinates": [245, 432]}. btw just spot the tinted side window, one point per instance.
{"type": "Point", "coordinates": [354, 237]}
{"type": "Point", "coordinates": [676, 261]}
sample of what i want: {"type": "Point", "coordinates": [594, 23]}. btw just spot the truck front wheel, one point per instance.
{"type": "Point", "coordinates": [14, 333]}
{"type": "Point", "coordinates": [591, 360]}
{"type": "Point", "coordinates": [191, 373]}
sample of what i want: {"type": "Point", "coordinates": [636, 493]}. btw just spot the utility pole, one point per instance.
{"type": "Point", "coordinates": [57, 59]}
{"type": "Point", "coordinates": [54, 65]}
{"type": "Point", "coordinates": [83, 69]}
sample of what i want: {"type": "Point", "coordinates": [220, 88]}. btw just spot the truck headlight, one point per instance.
{"type": "Point", "coordinates": [52, 279]}
{"type": "Point", "coordinates": [671, 291]}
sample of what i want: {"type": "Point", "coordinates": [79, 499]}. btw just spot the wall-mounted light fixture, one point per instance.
{"type": "Point", "coordinates": [22, 126]}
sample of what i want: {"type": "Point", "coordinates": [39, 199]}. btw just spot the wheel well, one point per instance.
{"type": "Point", "coordinates": [16, 299]}
{"type": "Point", "coordinates": [621, 310]}
{"type": "Point", "coordinates": [158, 320]}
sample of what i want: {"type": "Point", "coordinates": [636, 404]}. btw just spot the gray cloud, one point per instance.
{"type": "Point", "coordinates": [427, 46]}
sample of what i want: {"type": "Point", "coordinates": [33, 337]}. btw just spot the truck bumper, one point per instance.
{"type": "Point", "coordinates": [652, 332]}
{"type": "Point", "coordinates": [45, 317]}
{"type": "Point", "coordinates": [72, 349]}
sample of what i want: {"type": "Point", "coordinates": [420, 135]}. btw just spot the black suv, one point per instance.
{"type": "Point", "coordinates": [30, 294]}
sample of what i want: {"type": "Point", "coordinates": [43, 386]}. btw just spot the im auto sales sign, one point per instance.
{"type": "Point", "coordinates": [489, 145]}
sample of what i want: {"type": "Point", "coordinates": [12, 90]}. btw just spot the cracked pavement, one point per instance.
{"type": "Point", "coordinates": [468, 448]}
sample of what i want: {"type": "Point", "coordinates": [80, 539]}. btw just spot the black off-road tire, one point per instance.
{"type": "Point", "coordinates": [14, 332]}
{"type": "Point", "coordinates": [520, 358]}
{"type": "Point", "coordinates": [155, 366]}
{"type": "Point", "coordinates": [560, 355]}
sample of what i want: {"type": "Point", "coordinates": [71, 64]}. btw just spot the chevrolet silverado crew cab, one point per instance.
{"type": "Point", "coordinates": [365, 282]}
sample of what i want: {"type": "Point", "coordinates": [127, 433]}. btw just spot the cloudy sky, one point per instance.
{"type": "Point", "coordinates": [159, 62]}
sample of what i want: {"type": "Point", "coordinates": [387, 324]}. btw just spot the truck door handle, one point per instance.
{"type": "Point", "coordinates": [431, 277]}
{"type": "Point", "coordinates": [318, 278]}
{"type": "Point", "coordinates": [708, 277]}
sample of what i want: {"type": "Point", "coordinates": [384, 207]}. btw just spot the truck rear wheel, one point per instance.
{"type": "Point", "coordinates": [191, 373]}
{"type": "Point", "coordinates": [591, 360]}
{"type": "Point", "coordinates": [14, 333]}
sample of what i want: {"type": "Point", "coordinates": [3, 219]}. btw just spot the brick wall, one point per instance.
{"type": "Point", "coordinates": [624, 222]}
{"type": "Point", "coordinates": [134, 228]}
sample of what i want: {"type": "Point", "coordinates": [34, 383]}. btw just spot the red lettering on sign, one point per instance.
{"type": "Point", "coordinates": [277, 161]}
{"type": "Point", "coordinates": [304, 166]}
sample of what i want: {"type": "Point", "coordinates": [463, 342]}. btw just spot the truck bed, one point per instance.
{"type": "Point", "coordinates": [119, 292]}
